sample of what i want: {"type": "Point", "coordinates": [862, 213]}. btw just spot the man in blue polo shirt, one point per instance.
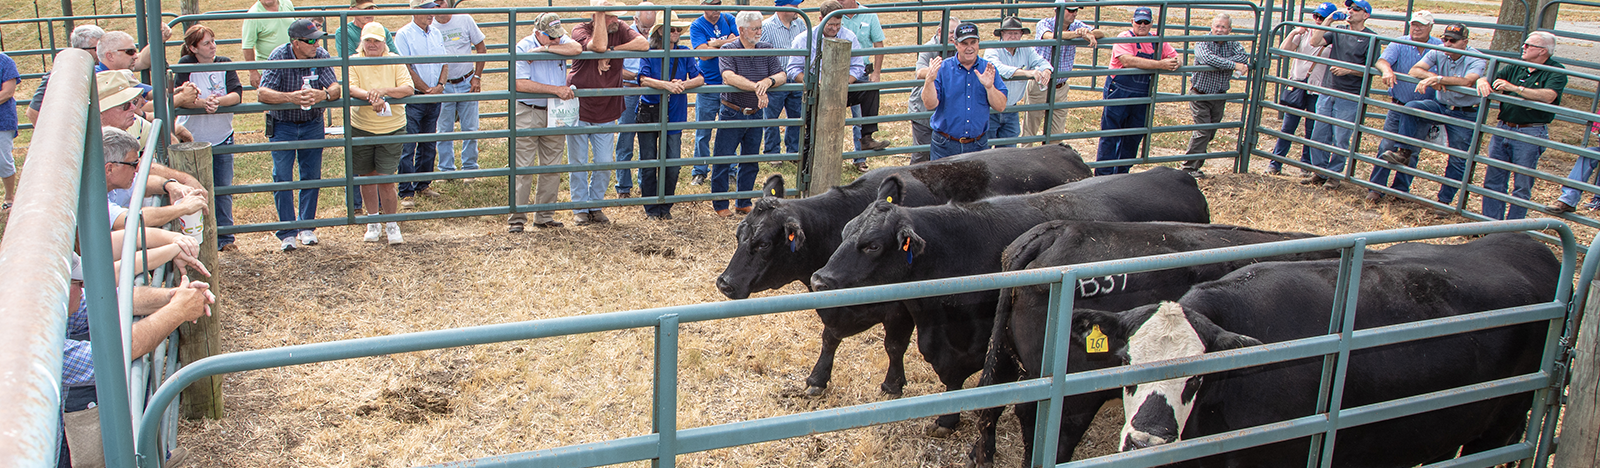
{"type": "Point", "coordinates": [960, 93]}
{"type": "Point", "coordinates": [1401, 57]}
{"type": "Point", "coordinates": [1436, 70]}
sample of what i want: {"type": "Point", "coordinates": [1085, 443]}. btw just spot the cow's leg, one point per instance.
{"type": "Point", "coordinates": [837, 324]}
{"type": "Point", "coordinates": [897, 329]}
{"type": "Point", "coordinates": [822, 372]}
{"type": "Point", "coordinates": [945, 425]}
{"type": "Point", "coordinates": [1002, 369]}
{"type": "Point", "coordinates": [1077, 415]}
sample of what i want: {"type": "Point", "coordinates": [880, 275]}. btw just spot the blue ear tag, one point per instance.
{"type": "Point", "coordinates": [793, 246]}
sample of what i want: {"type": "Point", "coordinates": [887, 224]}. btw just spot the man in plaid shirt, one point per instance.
{"type": "Point", "coordinates": [1067, 55]}
{"type": "Point", "coordinates": [1225, 58]}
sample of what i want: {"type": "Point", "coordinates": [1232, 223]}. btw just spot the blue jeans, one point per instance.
{"type": "Point", "coordinates": [1003, 125]}
{"type": "Point", "coordinates": [1459, 138]}
{"type": "Point", "coordinates": [283, 162]}
{"type": "Point", "coordinates": [1515, 152]}
{"type": "Point", "coordinates": [746, 141]}
{"type": "Point", "coordinates": [943, 147]}
{"type": "Point", "coordinates": [589, 185]}
{"type": "Point", "coordinates": [1329, 134]}
{"type": "Point", "coordinates": [1581, 171]}
{"type": "Point", "coordinates": [418, 157]}
{"type": "Point", "coordinates": [630, 115]}
{"type": "Point", "coordinates": [1118, 117]}
{"type": "Point", "coordinates": [706, 107]}
{"type": "Point", "coordinates": [1290, 123]}
{"type": "Point", "coordinates": [649, 142]}
{"type": "Point", "coordinates": [777, 102]}
{"type": "Point", "coordinates": [465, 112]}
{"type": "Point", "coordinates": [222, 176]}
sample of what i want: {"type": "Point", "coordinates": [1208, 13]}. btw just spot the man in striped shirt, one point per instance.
{"type": "Point", "coordinates": [1066, 55]}
{"type": "Point", "coordinates": [753, 76]}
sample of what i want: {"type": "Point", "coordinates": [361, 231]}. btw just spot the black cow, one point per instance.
{"type": "Point", "coordinates": [783, 241]}
{"type": "Point", "coordinates": [1019, 325]}
{"type": "Point", "coordinates": [888, 243]}
{"type": "Point", "coordinates": [1281, 301]}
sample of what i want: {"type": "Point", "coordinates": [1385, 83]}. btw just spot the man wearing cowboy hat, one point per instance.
{"type": "Point", "coordinates": [603, 33]}
{"type": "Point", "coordinates": [1065, 56]}
{"type": "Point", "coordinates": [1225, 58]}
{"type": "Point", "coordinates": [961, 92]}
{"type": "Point", "coordinates": [117, 101]}
{"type": "Point", "coordinates": [1016, 65]}
{"type": "Point", "coordinates": [1349, 48]}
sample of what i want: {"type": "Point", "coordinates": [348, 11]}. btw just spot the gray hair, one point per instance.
{"type": "Point", "coordinates": [642, 13]}
{"type": "Point", "coordinates": [111, 42]}
{"type": "Point", "coordinates": [115, 143]}
{"type": "Point", "coordinates": [1224, 17]}
{"type": "Point", "coordinates": [748, 19]}
{"type": "Point", "coordinates": [1547, 38]}
{"type": "Point", "coordinates": [86, 36]}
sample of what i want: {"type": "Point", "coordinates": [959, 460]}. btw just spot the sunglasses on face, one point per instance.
{"type": "Point", "coordinates": [308, 41]}
{"type": "Point", "coordinates": [125, 163]}
{"type": "Point", "coordinates": [130, 51]}
{"type": "Point", "coordinates": [1452, 40]}
{"type": "Point", "coordinates": [1141, 23]}
{"type": "Point", "coordinates": [1525, 45]}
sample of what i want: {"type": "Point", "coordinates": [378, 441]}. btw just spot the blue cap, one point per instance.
{"type": "Point", "coordinates": [1325, 9]}
{"type": "Point", "coordinates": [1142, 14]}
{"type": "Point", "coordinates": [1362, 4]}
{"type": "Point", "coordinates": [787, 2]}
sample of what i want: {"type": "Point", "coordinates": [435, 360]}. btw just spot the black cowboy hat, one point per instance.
{"type": "Point", "coordinates": [1011, 23]}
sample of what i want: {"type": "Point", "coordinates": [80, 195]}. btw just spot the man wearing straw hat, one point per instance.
{"type": "Point", "coordinates": [603, 33]}
{"type": "Point", "coordinates": [1016, 65]}
{"type": "Point", "coordinates": [542, 76]}
{"type": "Point", "coordinates": [1225, 58]}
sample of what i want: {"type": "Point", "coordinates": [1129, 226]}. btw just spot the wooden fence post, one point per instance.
{"type": "Point", "coordinates": [198, 340]}
{"type": "Point", "coordinates": [1580, 424]}
{"type": "Point", "coordinates": [827, 150]}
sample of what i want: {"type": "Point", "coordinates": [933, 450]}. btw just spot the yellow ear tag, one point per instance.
{"type": "Point", "coordinates": [889, 199]}
{"type": "Point", "coordinates": [1095, 342]}
{"type": "Point", "coordinates": [774, 192]}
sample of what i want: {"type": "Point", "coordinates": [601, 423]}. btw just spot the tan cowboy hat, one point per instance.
{"type": "Point", "coordinates": [114, 89]}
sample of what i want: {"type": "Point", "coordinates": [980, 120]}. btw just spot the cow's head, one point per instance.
{"type": "Point", "coordinates": [1156, 412]}
{"type": "Point", "coordinates": [879, 247]}
{"type": "Point", "coordinates": [768, 239]}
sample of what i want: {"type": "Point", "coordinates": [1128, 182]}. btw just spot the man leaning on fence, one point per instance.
{"type": "Point", "coordinates": [1144, 56]}
{"type": "Point", "coordinates": [753, 76]}
{"type": "Point", "coordinates": [710, 31]}
{"type": "Point", "coordinates": [539, 72]}
{"type": "Point", "coordinates": [603, 33]}
{"type": "Point", "coordinates": [1532, 84]}
{"type": "Point", "coordinates": [643, 21]}
{"type": "Point", "coordinates": [1348, 48]}
{"type": "Point", "coordinates": [418, 38]}
{"type": "Point", "coordinates": [1225, 58]}
{"type": "Point", "coordinates": [1065, 57]}
{"type": "Point", "coordinates": [262, 36]}
{"type": "Point", "coordinates": [304, 87]}
{"type": "Point", "coordinates": [1022, 69]}
{"type": "Point", "coordinates": [961, 92]}
{"type": "Point", "coordinates": [1437, 70]}
{"type": "Point", "coordinates": [869, 34]}
{"type": "Point", "coordinates": [1402, 57]}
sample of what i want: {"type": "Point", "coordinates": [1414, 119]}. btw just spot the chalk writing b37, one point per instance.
{"type": "Point", "coordinates": [1098, 286]}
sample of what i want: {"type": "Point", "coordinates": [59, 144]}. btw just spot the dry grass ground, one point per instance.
{"type": "Point", "coordinates": [447, 405]}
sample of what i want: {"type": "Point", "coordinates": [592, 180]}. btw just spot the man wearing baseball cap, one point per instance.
{"type": "Point", "coordinates": [304, 87]}
{"type": "Point", "coordinates": [543, 76]}
{"type": "Point", "coordinates": [1437, 69]}
{"type": "Point", "coordinates": [1142, 55]}
{"type": "Point", "coordinates": [1304, 71]}
{"type": "Point", "coordinates": [961, 92]}
{"type": "Point", "coordinates": [1401, 57]}
{"type": "Point", "coordinates": [1349, 48]}
{"type": "Point", "coordinates": [780, 30]}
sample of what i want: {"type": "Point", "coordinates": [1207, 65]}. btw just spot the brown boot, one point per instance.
{"type": "Point", "coordinates": [869, 144]}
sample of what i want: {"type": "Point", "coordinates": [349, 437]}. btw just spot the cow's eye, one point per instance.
{"type": "Point", "coordinates": [870, 248]}
{"type": "Point", "coordinates": [763, 245]}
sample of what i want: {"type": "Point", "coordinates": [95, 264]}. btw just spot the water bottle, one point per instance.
{"type": "Point", "coordinates": [305, 83]}
{"type": "Point", "coordinates": [193, 225]}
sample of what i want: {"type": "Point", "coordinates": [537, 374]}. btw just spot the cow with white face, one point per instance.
{"type": "Point", "coordinates": [1282, 301]}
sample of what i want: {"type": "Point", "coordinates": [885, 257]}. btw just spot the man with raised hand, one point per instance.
{"type": "Point", "coordinates": [1437, 69]}
{"type": "Point", "coordinates": [1348, 48]}
{"type": "Point", "coordinates": [961, 92]}
{"type": "Point", "coordinates": [603, 33]}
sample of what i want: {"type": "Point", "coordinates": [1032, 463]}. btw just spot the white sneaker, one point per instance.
{"type": "Point", "coordinates": [393, 230]}
{"type": "Point", "coordinates": [290, 244]}
{"type": "Point", "coordinates": [373, 231]}
{"type": "Point", "coordinates": [308, 238]}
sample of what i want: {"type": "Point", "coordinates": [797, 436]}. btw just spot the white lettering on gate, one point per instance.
{"type": "Point", "coordinates": [1110, 284]}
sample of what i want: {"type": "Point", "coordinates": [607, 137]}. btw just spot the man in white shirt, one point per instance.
{"type": "Point", "coordinates": [461, 37]}
{"type": "Point", "coordinates": [537, 74]}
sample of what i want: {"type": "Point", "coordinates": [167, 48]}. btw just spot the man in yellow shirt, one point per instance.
{"type": "Point", "coordinates": [376, 84]}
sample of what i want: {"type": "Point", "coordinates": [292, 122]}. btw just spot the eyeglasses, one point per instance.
{"type": "Point", "coordinates": [130, 51]}
{"type": "Point", "coordinates": [1452, 40]}
{"type": "Point", "coordinates": [1141, 23]}
{"type": "Point", "coordinates": [712, 2]}
{"type": "Point", "coordinates": [308, 41]}
{"type": "Point", "coordinates": [125, 163]}
{"type": "Point", "coordinates": [1527, 45]}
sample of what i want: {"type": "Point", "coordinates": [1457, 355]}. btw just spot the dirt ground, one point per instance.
{"type": "Point", "coordinates": [439, 406]}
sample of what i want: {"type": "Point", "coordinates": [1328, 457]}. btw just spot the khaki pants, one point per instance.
{"type": "Point", "coordinates": [1205, 112]}
{"type": "Point", "coordinates": [1034, 120]}
{"type": "Point", "coordinates": [549, 149]}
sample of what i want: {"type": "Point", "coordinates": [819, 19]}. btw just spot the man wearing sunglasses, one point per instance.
{"type": "Point", "coordinates": [1344, 47]}
{"type": "Point", "coordinates": [1144, 56]}
{"type": "Point", "coordinates": [1437, 70]}
{"type": "Point", "coordinates": [304, 87]}
{"type": "Point", "coordinates": [1530, 84]}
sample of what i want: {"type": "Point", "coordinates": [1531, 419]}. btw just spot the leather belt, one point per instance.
{"type": "Point", "coordinates": [1464, 108]}
{"type": "Point", "coordinates": [1518, 125]}
{"type": "Point", "coordinates": [957, 140]}
{"type": "Point", "coordinates": [459, 80]}
{"type": "Point", "coordinates": [745, 110]}
{"type": "Point", "coordinates": [1059, 85]}
{"type": "Point", "coordinates": [533, 106]}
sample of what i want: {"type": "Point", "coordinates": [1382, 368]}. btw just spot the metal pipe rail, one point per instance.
{"type": "Point", "coordinates": [667, 441]}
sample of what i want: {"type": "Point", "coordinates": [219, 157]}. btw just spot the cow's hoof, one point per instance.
{"type": "Point", "coordinates": [975, 464]}
{"type": "Point", "coordinates": [938, 432]}
{"type": "Point", "coordinates": [815, 391]}
{"type": "Point", "coordinates": [892, 390]}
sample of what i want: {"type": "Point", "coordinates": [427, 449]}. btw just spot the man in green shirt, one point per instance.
{"type": "Point", "coordinates": [351, 34]}
{"type": "Point", "coordinates": [262, 36]}
{"type": "Point", "coordinates": [1530, 84]}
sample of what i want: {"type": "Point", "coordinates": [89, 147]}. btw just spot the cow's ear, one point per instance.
{"type": "Point", "coordinates": [793, 234]}
{"type": "Point", "coordinates": [909, 242]}
{"type": "Point", "coordinates": [891, 190]}
{"type": "Point", "coordinates": [1220, 339]}
{"type": "Point", "coordinates": [773, 187]}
